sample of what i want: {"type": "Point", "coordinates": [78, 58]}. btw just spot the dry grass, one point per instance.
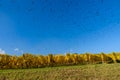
{"type": "Point", "coordinates": [82, 72]}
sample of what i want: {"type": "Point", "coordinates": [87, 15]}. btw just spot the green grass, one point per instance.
{"type": "Point", "coordinates": [81, 72]}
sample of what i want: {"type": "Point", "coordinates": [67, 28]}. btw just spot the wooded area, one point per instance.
{"type": "Point", "coordinates": [38, 61]}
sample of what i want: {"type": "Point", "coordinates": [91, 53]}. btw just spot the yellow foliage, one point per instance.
{"type": "Point", "coordinates": [37, 61]}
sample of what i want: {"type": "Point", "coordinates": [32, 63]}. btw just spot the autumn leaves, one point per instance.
{"type": "Point", "coordinates": [37, 61]}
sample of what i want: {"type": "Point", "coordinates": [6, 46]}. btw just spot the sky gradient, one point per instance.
{"type": "Point", "coordinates": [59, 26]}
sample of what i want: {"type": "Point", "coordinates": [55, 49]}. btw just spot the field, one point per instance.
{"type": "Point", "coordinates": [79, 72]}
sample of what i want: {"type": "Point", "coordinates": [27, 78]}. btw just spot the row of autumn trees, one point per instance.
{"type": "Point", "coordinates": [37, 61]}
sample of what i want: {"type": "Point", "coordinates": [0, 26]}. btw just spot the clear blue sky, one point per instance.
{"type": "Point", "coordinates": [59, 26]}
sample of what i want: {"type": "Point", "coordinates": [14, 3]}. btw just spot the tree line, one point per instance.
{"type": "Point", "coordinates": [28, 60]}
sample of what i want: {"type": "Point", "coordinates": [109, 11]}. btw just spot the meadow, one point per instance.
{"type": "Point", "coordinates": [74, 66]}
{"type": "Point", "coordinates": [79, 72]}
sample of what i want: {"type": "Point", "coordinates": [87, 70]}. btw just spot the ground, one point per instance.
{"type": "Point", "coordinates": [79, 72]}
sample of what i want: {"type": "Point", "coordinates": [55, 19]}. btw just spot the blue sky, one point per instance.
{"type": "Point", "coordinates": [59, 26]}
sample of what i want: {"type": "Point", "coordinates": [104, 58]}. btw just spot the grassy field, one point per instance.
{"type": "Point", "coordinates": [82, 72]}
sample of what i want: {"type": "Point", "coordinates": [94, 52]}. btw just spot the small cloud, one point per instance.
{"type": "Point", "coordinates": [2, 51]}
{"type": "Point", "coordinates": [16, 49]}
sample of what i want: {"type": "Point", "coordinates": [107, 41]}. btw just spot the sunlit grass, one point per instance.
{"type": "Point", "coordinates": [81, 72]}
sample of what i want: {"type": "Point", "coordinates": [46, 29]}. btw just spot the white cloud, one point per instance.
{"type": "Point", "coordinates": [2, 51]}
{"type": "Point", "coordinates": [16, 49]}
